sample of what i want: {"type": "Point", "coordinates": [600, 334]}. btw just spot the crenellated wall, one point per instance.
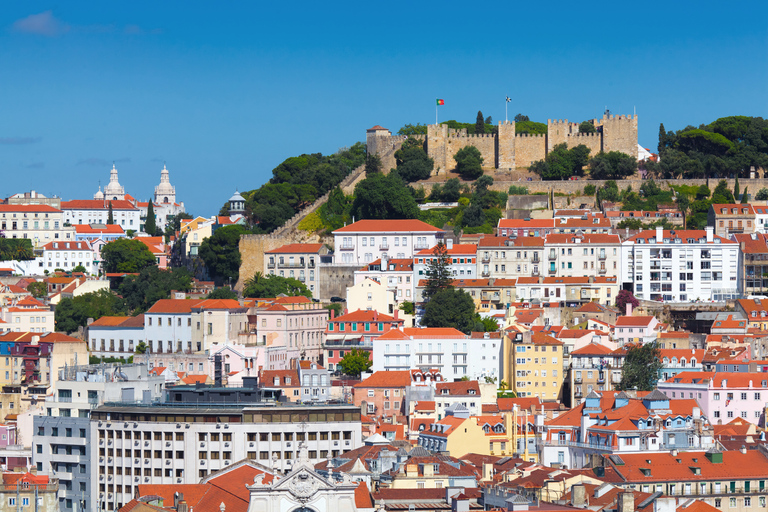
{"type": "Point", "coordinates": [508, 150]}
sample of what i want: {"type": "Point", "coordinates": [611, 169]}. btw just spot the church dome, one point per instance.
{"type": "Point", "coordinates": [114, 191]}
{"type": "Point", "coordinates": [165, 192]}
{"type": "Point", "coordinates": [99, 195]}
{"type": "Point", "coordinates": [237, 197]}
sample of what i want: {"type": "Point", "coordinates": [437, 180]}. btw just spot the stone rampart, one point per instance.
{"type": "Point", "coordinates": [529, 149]}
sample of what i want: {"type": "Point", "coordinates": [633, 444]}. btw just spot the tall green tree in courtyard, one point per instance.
{"type": "Point", "coordinates": [439, 276]}
{"type": "Point", "coordinates": [452, 308]}
{"type": "Point", "coordinates": [110, 215]}
{"type": "Point", "coordinates": [641, 367]}
{"type": "Point", "coordinates": [469, 163]}
{"type": "Point", "coordinates": [221, 254]}
{"type": "Point", "coordinates": [480, 123]}
{"type": "Point", "coordinates": [150, 225]}
{"type": "Point", "coordinates": [355, 362]}
{"type": "Point", "coordinates": [126, 255]}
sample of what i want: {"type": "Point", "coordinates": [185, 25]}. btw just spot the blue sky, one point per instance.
{"type": "Point", "coordinates": [223, 95]}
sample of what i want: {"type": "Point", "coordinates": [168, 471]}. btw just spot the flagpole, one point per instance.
{"type": "Point", "coordinates": [506, 108]}
{"type": "Point", "coordinates": [435, 112]}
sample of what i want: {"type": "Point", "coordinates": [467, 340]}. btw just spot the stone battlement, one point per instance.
{"type": "Point", "coordinates": [530, 135]}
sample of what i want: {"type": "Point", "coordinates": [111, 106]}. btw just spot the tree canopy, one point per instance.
{"type": "Point", "coordinates": [225, 292]}
{"type": "Point", "coordinates": [384, 197]}
{"type": "Point", "coordinates": [727, 146]}
{"type": "Point", "coordinates": [452, 308]}
{"type": "Point", "coordinates": [150, 224]}
{"type": "Point", "coordinates": [613, 165]}
{"type": "Point", "coordinates": [623, 298]}
{"type": "Point", "coordinates": [355, 362]}
{"type": "Point", "coordinates": [438, 273]}
{"type": "Point", "coordinates": [221, 253]}
{"type": "Point", "coordinates": [641, 368]}
{"type": "Point", "coordinates": [469, 163]}
{"type": "Point", "coordinates": [413, 163]}
{"type": "Point", "coordinates": [561, 163]}
{"type": "Point", "coordinates": [152, 284]}
{"type": "Point", "coordinates": [72, 313]}
{"type": "Point", "coordinates": [126, 255]}
{"type": "Point", "coordinates": [18, 249]}
{"type": "Point", "coordinates": [273, 286]}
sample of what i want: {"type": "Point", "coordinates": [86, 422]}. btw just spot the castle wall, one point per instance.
{"type": "Point", "coordinates": [558, 132]}
{"type": "Point", "coordinates": [505, 146]}
{"type": "Point", "coordinates": [619, 134]}
{"type": "Point", "coordinates": [529, 149]}
{"type": "Point", "coordinates": [458, 140]}
{"type": "Point", "coordinates": [592, 140]}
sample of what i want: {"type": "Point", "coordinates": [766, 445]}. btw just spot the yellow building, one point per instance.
{"type": "Point", "coordinates": [536, 361]}
{"type": "Point", "coordinates": [510, 434]}
{"type": "Point", "coordinates": [429, 472]}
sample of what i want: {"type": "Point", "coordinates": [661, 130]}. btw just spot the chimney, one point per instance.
{"type": "Point", "coordinates": [449, 243]}
{"type": "Point", "coordinates": [333, 314]}
{"type": "Point", "coordinates": [743, 449]}
{"type": "Point", "coordinates": [182, 507]}
{"type": "Point", "coordinates": [578, 496]}
{"type": "Point", "coordinates": [659, 234]}
{"type": "Point", "coordinates": [665, 504]}
{"type": "Point", "coordinates": [397, 311]}
{"type": "Point", "coordinates": [629, 309]}
{"type": "Point", "coordinates": [710, 234]}
{"type": "Point", "coordinates": [626, 502]}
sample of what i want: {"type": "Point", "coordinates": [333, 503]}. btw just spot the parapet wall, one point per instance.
{"type": "Point", "coordinates": [509, 150]}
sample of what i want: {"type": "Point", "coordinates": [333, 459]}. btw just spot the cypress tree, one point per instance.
{"type": "Point", "coordinates": [736, 189]}
{"type": "Point", "coordinates": [662, 138]}
{"type": "Point", "coordinates": [110, 215]}
{"type": "Point", "coordinates": [745, 196]}
{"type": "Point", "coordinates": [150, 226]}
{"type": "Point", "coordinates": [480, 123]}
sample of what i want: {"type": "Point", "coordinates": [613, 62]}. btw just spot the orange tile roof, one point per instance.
{"type": "Point", "coordinates": [388, 226]}
{"type": "Point", "coordinates": [195, 379]}
{"type": "Point", "coordinates": [67, 246]}
{"type": "Point", "coordinates": [539, 338]}
{"type": "Point", "coordinates": [96, 204]}
{"type": "Point", "coordinates": [634, 321]}
{"type": "Point", "coordinates": [586, 238]}
{"type": "Point", "coordinates": [364, 315]}
{"type": "Point", "coordinates": [593, 349]}
{"type": "Point", "coordinates": [460, 388]}
{"type": "Point", "coordinates": [422, 333]}
{"type": "Point", "coordinates": [296, 249]}
{"type": "Point", "coordinates": [456, 250]}
{"type": "Point", "coordinates": [424, 406]}
{"type": "Point", "coordinates": [109, 321]}
{"type": "Point", "coordinates": [387, 379]}
{"type": "Point", "coordinates": [663, 466]}
{"type": "Point", "coordinates": [90, 229]}
{"type": "Point", "coordinates": [401, 265]}
{"type": "Point", "coordinates": [174, 306]}
{"type": "Point", "coordinates": [757, 246]}
{"type": "Point", "coordinates": [218, 304]}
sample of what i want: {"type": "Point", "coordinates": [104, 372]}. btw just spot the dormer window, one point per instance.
{"type": "Point", "coordinates": [277, 381]}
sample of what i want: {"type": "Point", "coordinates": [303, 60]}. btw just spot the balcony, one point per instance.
{"type": "Point", "coordinates": [535, 258]}
{"type": "Point", "coordinates": [601, 257]}
{"type": "Point", "coordinates": [486, 258]}
{"type": "Point", "coordinates": [602, 270]}
{"type": "Point", "coordinates": [601, 378]}
{"type": "Point", "coordinates": [420, 246]}
{"type": "Point", "coordinates": [486, 273]}
{"type": "Point", "coordinates": [301, 278]}
{"type": "Point", "coordinates": [552, 256]}
{"type": "Point", "coordinates": [291, 265]}
{"type": "Point", "coordinates": [552, 270]}
{"type": "Point", "coordinates": [535, 272]}
{"type": "Point", "coordinates": [383, 247]}
{"type": "Point", "coordinates": [347, 247]}
{"type": "Point", "coordinates": [271, 265]}
{"type": "Point", "coordinates": [577, 380]}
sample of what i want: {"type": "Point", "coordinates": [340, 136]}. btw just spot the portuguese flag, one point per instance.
{"type": "Point", "coordinates": [441, 102]}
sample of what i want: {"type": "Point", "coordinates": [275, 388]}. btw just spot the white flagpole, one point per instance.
{"type": "Point", "coordinates": [506, 108]}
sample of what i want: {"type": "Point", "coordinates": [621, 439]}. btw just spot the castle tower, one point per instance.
{"type": "Point", "coordinates": [165, 193]}
{"type": "Point", "coordinates": [114, 191]}
{"type": "Point", "coordinates": [437, 135]}
{"type": "Point", "coordinates": [237, 204]}
{"type": "Point", "coordinates": [620, 134]}
{"type": "Point", "coordinates": [558, 132]}
{"type": "Point", "coordinates": [505, 146]}
{"type": "Point", "coordinates": [374, 137]}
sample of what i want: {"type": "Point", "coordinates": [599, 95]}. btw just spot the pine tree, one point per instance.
{"type": "Point", "coordinates": [439, 276]}
{"type": "Point", "coordinates": [480, 123]}
{"type": "Point", "coordinates": [110, 215]}
{"type": "Point", "coordinates": [662, 138]}
{"type": "Point", "coordinates": [150, 226]}
{"type": "Point", "coordinates": [736, 189]}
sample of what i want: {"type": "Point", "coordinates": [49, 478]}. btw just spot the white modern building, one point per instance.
{"type": "Point", "coordinates": [573, 255]}
{"type": "Point", "coordinates": [96, 211]}
{"type": "Point", "coordinates": [182, 444]}
{"type": "Point", "coordinates": [451, 352]}
{"type": "Point", "coordinates": [368, 240]}
{"type": "Point", "coordinates": [68, 255]}
{"type": "Point", "coordinates": [680, 265]}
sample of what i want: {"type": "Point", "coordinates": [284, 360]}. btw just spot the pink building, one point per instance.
{"type": "Point", "coordinates": [723, 396]}
{"type": "Point", "coordinates": [355, 330]}
{"type": "Point", "coordinates": [636, 329]}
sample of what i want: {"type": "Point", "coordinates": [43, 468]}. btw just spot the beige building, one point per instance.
{"type": "Point", "coordinates": [592, 255]}
{"type": "Point", "coordinates": [28, 315]}
{"type": "Point", "coordinates": [217, 322]}
{"type": "Point", "coordinates": [537, 366]}
{"type": "Point", "coordinates": [38, 222]}
{"type": "Point", "coordinates": [28, 491]}
{"type": "Point", "coordinates": [729, 219]}
{"type": "Point", "coordinates": [502, 257]}
{"type": "Point", "coordinates": [298, 261]}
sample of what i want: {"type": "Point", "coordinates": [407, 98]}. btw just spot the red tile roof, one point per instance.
{"type": "Point", "coordinates": [664, 467]}
{"type": "Point", "coordinates": [456, 250]}
{"type": "Point", "coordinates": [364, 315]}
{"type": "Point", "coordinates": [97, 204]}
{"type": "Point", "coordinates": [388, 226]}
{"type": "Point", "coordinates": [87, 229]}
{"type": "Point", "coordinates": [530, 223]}
{"type": "Point", "coordinates": [460, 388]}
{"type": "Point", "coordinates": [296, 249]}
{"type": "Point", "coordinates": [174, 306]}
{"type": "Point", "coordinates": [422, 333]}
{"type": "Point", "coordinates": [634, 321]}
{"type": "Point", "coordinates": [387, 379]}
{"type": "Point", "coordinates": [593, 349]}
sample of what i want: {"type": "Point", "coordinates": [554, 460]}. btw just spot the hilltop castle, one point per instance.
{"type": "Point", "coordinates": [508, 150]}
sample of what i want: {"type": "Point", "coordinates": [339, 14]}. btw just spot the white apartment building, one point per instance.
{"type": "Point", "coordinates": [680, 265]}
{"type": "Point", "coordinates": [510, 258]}
{"type": "Point", "coordinates": [396, 275]}
{"type": "Point", "coordinates": [449, 351]}
{"type": "Point", "coordinates": [116, 336]}
{"type": "Point", "coordinates": [38, 222]}
{"type": "Point", "coordinates": [96, 211]}
{"type": "Point", "coordinates": [168, 326]}
{"type": "Point", "coordinates": [368, 240]}
{"type": "Point", "coordinates": [68, 255]}
{"type": "Point", "coordinates": [182, 444]}
{"type": "Point", "coordinates": [28, 315]}
{"type": "Point", "coordinates": [572, 255]}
